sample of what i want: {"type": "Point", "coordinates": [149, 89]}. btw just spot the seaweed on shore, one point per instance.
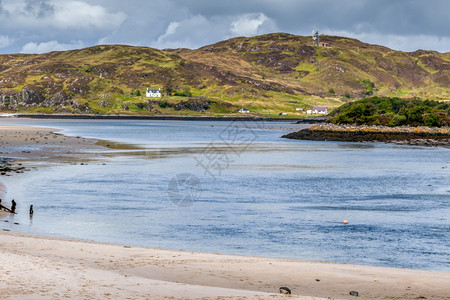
{"type": "Point", "coordinates": [5, 165]}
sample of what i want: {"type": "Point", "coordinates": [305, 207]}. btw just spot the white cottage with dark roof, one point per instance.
{"type": "Point", "coordinates": [153, 93]}
{"type": "Point", "coordinates": [320, 110]}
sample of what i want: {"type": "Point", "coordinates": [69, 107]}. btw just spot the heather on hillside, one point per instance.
{"type": "Point", "coordinates": [268, 75]}
{"type": "Point", "coordinates": [393, 112]}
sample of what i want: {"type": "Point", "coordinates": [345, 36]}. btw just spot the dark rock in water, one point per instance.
{"type": "Point", "coordinates": [354, 293]}
{"type": "Point", "coordinates": [285, 290]}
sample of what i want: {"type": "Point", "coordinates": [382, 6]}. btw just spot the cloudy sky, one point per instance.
{"type": "Point", "coordinates": [37, 26]}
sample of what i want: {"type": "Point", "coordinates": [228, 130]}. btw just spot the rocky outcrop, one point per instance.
{"type": "Point", "coordinates": [197, 104]}
{"type": "Point", "coordinates": [421, 136]}
{"type": "Point", "coordinates": [27, 97]}
{"type": "Point", "coordinates": [81, 107]}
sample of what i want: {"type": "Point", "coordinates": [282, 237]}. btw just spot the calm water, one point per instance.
{"type": "Point", "coordinates": [251, 192]}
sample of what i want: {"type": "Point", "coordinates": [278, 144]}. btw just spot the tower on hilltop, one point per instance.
{"type": "Point", "coordinates": [315, 38]}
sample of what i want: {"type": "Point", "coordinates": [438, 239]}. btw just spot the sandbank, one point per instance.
{"type": "Point", "coordinates": [32, 143]}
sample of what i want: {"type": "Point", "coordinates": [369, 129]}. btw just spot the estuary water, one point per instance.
{"type": "Point", "coordinates": [239, 188]}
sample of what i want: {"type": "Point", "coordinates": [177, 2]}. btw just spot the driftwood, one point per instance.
{"type": "Point", "coordinates": [6, 209]}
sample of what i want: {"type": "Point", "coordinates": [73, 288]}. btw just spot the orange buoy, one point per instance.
{"type": "Point", "coordinates": [345, 222]}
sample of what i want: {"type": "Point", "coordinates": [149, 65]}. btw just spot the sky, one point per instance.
{"type": "Point", "coordinates": [38, 26]}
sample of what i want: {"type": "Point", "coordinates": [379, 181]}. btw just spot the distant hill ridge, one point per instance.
{"type": "Point", "coordinates": [268, 74]}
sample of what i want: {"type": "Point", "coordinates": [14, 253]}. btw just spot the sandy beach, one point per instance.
{"type": "Point", "coordinates": [36, 267]}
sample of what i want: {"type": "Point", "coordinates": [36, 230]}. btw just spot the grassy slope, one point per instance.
{"type": "Point", "coordinates": [267, 74]}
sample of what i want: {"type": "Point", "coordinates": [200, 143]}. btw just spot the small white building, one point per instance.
{"type": "Point", "coordinates": [153, 93]}
{"type": "Point", "coordinates": [244, 111]}
{"type": "Point", "coordinates": [309, 112]}
{"type": "Point", "coordinates": [321, 110]}
{"type": "Point", "coordinates": [299, 109]}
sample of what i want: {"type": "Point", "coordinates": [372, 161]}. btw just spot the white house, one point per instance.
{"type": "Point", "coordinates": [153, 93]}
{"type": "Point", "coordinates": [244, 111]}
{"type": "Point", "coordinates": [322, 110]}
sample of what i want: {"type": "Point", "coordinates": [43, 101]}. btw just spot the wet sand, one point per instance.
{"type": "Point", "coordinates": [34, 143]}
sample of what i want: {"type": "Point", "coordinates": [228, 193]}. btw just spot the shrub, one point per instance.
{"type": "Point", "coordinates": [163, 104]}
{"type": "Point", "coordinates": [392, 112]}
{"type": "Point", "coordinates": [398, 120]}
{"type": "Point", "coordinates": [185, 93]}
{"type": "Point", "coordinates": [368, 86]}
{"type": "Point", "coordinates": [432, 120]}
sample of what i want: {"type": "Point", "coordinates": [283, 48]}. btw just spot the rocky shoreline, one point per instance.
{"type": "Point", "coordinates": [295, 120]}
{"type": "Point", "coordinates": [6, 167]}
{"type": "Point", "coordinates": [419, 136]}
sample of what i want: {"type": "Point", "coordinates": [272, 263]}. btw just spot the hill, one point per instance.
{"type": "Point", "coordinates": [267, 74]}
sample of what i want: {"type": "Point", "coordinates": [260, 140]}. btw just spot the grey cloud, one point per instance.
{"type": "Point", "coordinates": [401, 24]}
{"type": "Point", "coordinates": [390, 16]}
{"type": "Point", "coordinates": [40, 9]}
{"type": "Point", "coordinates": [2, 11]}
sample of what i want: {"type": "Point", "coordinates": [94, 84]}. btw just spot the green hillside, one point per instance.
{"type": "Point", "coordinates": [267, 74]}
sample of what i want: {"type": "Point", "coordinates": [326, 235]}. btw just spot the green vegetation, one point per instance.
{"type": "Point", "coordinates": [268, 74]}
{"type": "Point", "coordinates": [368, 86]}
{"type": "Point", "coordinates": [163, 104]}
{"type": "Point", "coordinates": [393, 112]}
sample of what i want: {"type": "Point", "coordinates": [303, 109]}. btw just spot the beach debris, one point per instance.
{"type": "Point", "coordinates": [354, 293]}
{"type": "Point", "coordinates": [285, 290]}
{"type": "Point", "coordinates": [317, 279]}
